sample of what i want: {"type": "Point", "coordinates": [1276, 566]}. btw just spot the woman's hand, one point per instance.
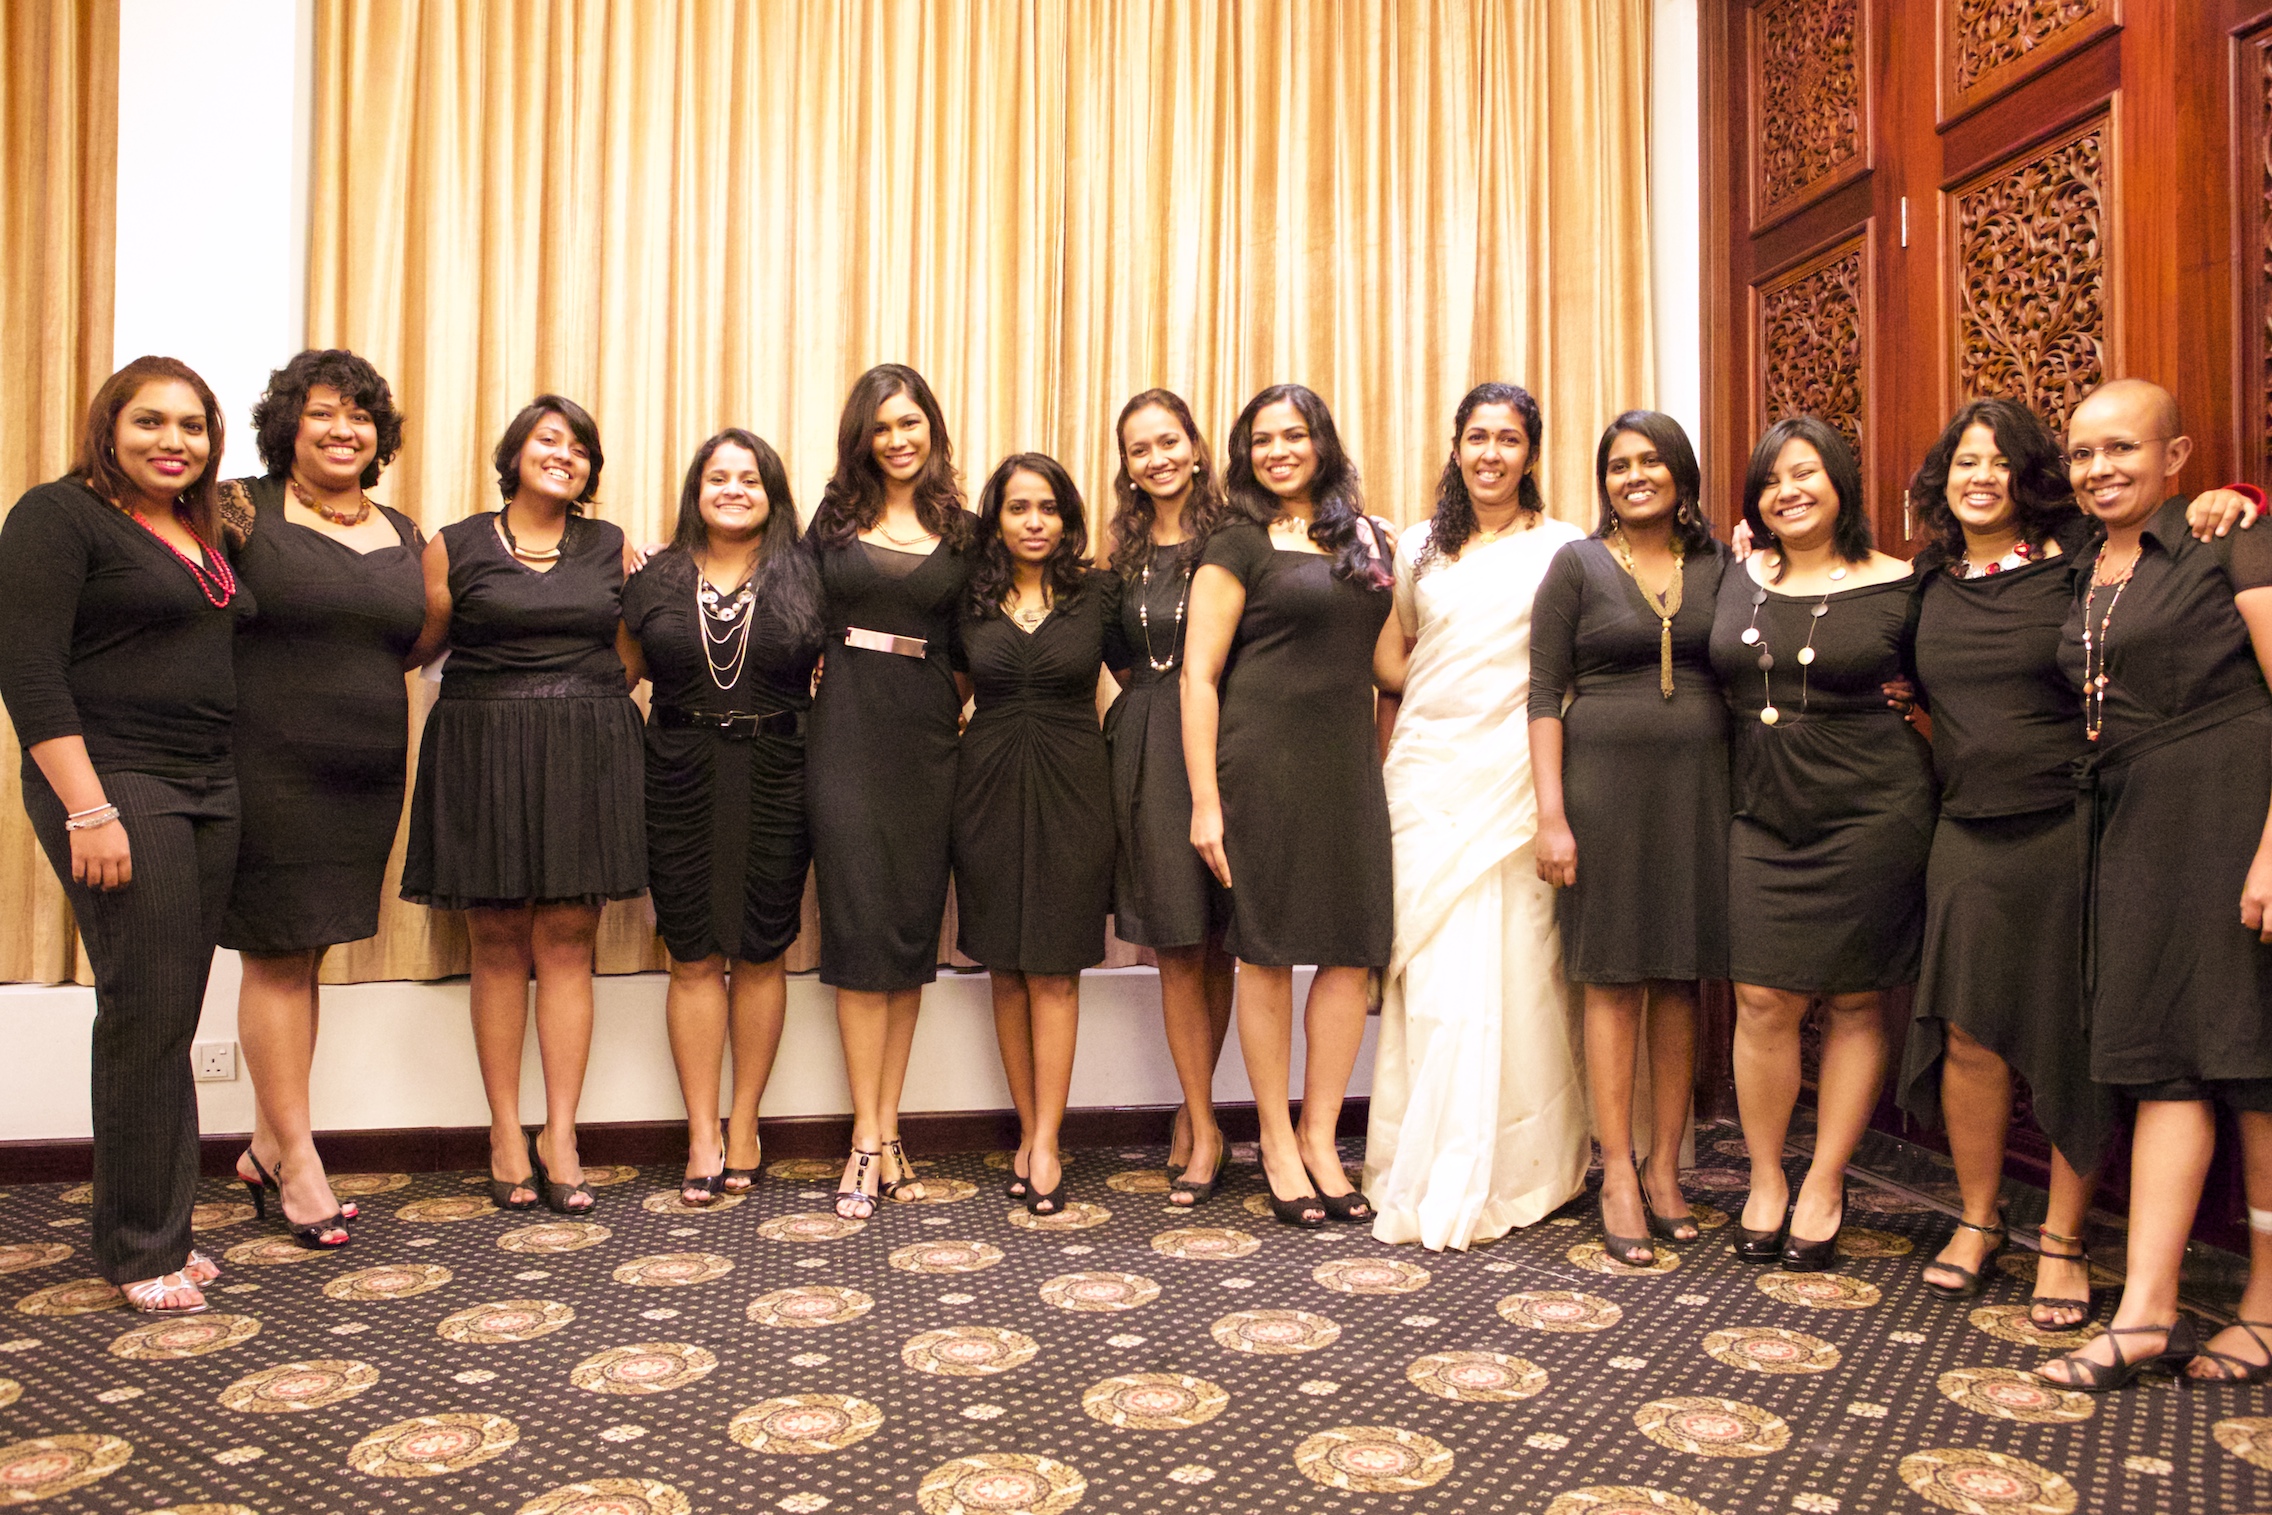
{"type": "Point", "coordinates": [1557, 852]}
{"type": "Point", "coordinates": [1739, 540]}
{"type": "Point", "coordinates": [1902, 696]}
{"type": "Point", "coordinates": [2215, 512]}
{"type": "Point", "coordinates": [1207, 837]}
{"type": "Point", "coordinates": [2256, 896]}
{"type": "Point", "coordinates": [635, 558]}
{"type": "Point", "coordinates": [101, 858]}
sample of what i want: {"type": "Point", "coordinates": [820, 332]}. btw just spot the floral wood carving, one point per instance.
{"type": "Point", "coordinates": [2031, 270]}
{"type": "Point", "coordinates": [1994, 34]}
{"type": "Point", "coordinates": [1812, 357]}
{"type": "Point", "coordinates": [1807, 82]}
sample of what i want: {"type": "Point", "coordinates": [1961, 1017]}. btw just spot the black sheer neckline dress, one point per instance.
{"type": "Point", "coordinates": [322, 731]}
{"type": "Point", "coordinates": [1163, 894]}
{"type": "Point", "coordinates": [1833, 801]}
{"type": "Point", "coordinates": [727, 846]}
{"type": "Point", "coordinates": [1033, 830]}
{"type": "Point", "coordinates": [880, 761]}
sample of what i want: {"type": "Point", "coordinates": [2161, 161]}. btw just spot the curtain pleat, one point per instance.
{"type": "Point", "coordinates": [694, 213]}
{"type": "Point", "coordinates": [58, 197]}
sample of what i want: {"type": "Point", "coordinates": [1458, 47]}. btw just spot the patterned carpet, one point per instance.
{"type": "Point", "coordinates": [955, 1357]}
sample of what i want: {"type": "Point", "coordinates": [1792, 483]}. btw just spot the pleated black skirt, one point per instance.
{"type": "Point", "coordinates": [527, 799]}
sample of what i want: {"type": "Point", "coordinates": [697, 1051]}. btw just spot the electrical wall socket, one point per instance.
{"type": "Point", "coordinates": [215, 1062]}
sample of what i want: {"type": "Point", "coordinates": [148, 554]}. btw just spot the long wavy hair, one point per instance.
{"type": "Point", "coordinates": [1689, 527]}
{"type": "Point", "coordinates": [853, 500]}
{"type": "Point", "coordinates": [1850, 535]}
{"type": "Point", "coordinates": [1134, 511]}
{"type": "Point", "coordinates": [1337, 498]}
{"type": "Point", "coordinates": [785, 582]}
{"type": "Point", "coordinates": [2042, 498]}
{"type": "Point", "coordinates": [1066, 568]}
{"type": "Point", "coordinates": [276, 414]}
{"type": "Point", "coordinates": [1454, 519]}
{"type": "Point", "coordinates": [98, 463]}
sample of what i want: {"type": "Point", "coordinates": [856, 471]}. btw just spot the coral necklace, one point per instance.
{"type": "Point", "coordinates": [218, 583]}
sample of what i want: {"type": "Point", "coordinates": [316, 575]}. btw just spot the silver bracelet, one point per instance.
{"type": "Point", "coordinates": [72, 815]}
{"type": "Point", "coordinates": [88, 820]}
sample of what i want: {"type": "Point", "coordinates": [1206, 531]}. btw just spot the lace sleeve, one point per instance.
{"type": "Point", "coordinates": [236, 511]}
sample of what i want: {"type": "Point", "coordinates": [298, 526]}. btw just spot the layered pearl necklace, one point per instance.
{"type": "Point", "coordinates": [725, 617]}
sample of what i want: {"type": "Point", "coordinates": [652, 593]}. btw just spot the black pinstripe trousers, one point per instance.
{"type": "Point", "coordinates": [150, 945]}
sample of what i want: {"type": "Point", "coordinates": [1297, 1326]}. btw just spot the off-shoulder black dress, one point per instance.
{"type": "Point", "coordinates": [1644, 777]}
{"type": "Point", "coordinates": [727, 845]}
{"type": "Point", "coordinates": [1033, 832]}
{"type": "Point", "coordinates": [529, 774]}
{"type": "Point", "coordinates": [1833, 800]}
{"type": "Point", "coordinates": [2003, 892]}
{"type": "Point", "coordinates": [322, 732]}
{"type": "Point", "coordinates": [1305, 817]}
{"type": "Point", "coordinates": [880, 763]}
{"type": "Point", "coordinates": [2178, 992]}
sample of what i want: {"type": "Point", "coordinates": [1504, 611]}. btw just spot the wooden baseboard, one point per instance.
{"type": "Point", "coordinates": [466, 1148]}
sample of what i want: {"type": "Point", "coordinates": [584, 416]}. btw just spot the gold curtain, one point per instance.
{"type": "Point", "coordinates": [695, 213]}
{"type": "Point", "coordinates": [59, 140]}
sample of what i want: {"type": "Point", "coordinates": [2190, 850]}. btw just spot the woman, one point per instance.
{"type": "Point", "coordinates": [322, 729]}
{"type": "Point", "coordinates": [1623, 625]}
{"type": "Point", "coordinates": [527, 813]}
{"type": "Point", "coordinates": [2000, 986]}
{"type": "Point", "coordinates": [1478, 1121]}
{"type": "Point", "coordinates": [889, 536]}
{"type": "Point", "coordinates": [2170, 642]}
{"type": "Point", "coordinates": [726, 622]}
{"type": "Point", "coordinates": [1288, 611]}
{"type": "Point", "coordinates": [1167, 498]}
{"type": "Point", "coordinates": [117, 609]}
{"type": "Point", "coordinates": [1833, 816]}
{"type": "Point", "coordinates": [1033, 783]}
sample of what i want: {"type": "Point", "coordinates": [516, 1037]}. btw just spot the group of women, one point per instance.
{"type": "Point", "coordinates": [1629, 760]}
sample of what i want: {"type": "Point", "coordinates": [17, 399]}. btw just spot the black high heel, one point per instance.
{"type": "Point", "coordinates": [1019, 1186]}
{"type": "Point", "coordinates": [1304, 1213]}
{"type": "Point", "coordinates": [1969, 1282]}
{"type": "Point", "coordinates": [2089, 1376]}
{"type": "Point", "coordinates": [856, 1203]}
{"type": "Point", "coordinates": [1051, 1203]}
{"type": "Point", "coordinates": [1191, 1193]}
{"type": "Point", "coordinates": [891, 1189]}
{"type": "Point", "coordinates": [2061, 1303]}
{"type": "Point", "coordinates": [1814, 1256]}
{"type": "Point", "coordinates": [739, 1180]}
{"type": "Point", "coordinates": [315, 1236]}
{"type": "Point", "coordinates": [1764, 1246]}
{"type": "Point", "coordinates": [1344, 1208]}
{"type": "Point", "coordinates": [1664, 1227]}
{"type": "Point", "coordinates": [501, 1190]}
{"type": "Point", "coordinates": [557, 1195]}
{"type": "Point", "coordinates": [266, 1185]}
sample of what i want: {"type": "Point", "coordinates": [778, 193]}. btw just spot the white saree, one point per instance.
{"type": "Point", "coordinates": [1479, 1120]}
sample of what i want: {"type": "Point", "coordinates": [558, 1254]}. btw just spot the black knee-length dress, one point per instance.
{"type": "Point", "coordinates": [1833, 801]}
{"type": "Point", "coordinates": [1305, 817]}
{"type": "Point", "coordinates": [529, 772]}
{"type": "Point", "coordinates": [1163, 893]}
{"type": "Point", "coordinates": [1644, 777]}
{"type": "Point", "coordinates": [322, 729]}
{"type": "Point", "coordinates": [2178, 992]}
{"type": "Point", "coordinates": [880, 762]}
{"type": "Point", "coordinates": [1033, 831]}
{"type": "Point", "coordinates": [727, 845]}
{"type": "Point", "coordinates": [2003, 893]}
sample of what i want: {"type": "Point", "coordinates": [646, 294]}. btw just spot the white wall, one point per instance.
{"type": "Point", "coordinates": [1676, 216]}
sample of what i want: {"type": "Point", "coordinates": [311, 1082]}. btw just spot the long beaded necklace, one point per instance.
{"type": "Point", "coordinates": [1666, 605]}
{"type": "Point", "coordinates": [2094, 644]}
{"type": "Point", "coordinates": [734, 611]}
{"type": "Point", "coordinates": [1754, 637]}
{"type": "Point", "coordinates": [337, 518]}
{"type": "Point", "coordinates": [218, 578]}
{"type": "Point", "coordinates": [1144, 617]}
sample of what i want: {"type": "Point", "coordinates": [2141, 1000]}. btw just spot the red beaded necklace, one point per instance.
{"type": "Point", "coordinates": [219, 577]}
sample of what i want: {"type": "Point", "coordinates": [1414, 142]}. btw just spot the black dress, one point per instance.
{"type": "Point", "coordinates": [1305, 819]}
{"type": "Point", "coordinates": [2178, 992]}
{"type": "Point", "coordinates": [880, 786]}
{"type": "Point", "coordinates": [529, 774]}
{"type": "Point", "coordinates": [1033, 833]}
{"type": "Point", "coordinates": [1833, 802]}
{"type": "Point", "coordinates": [1163, 893]}
{"type": "Point", "coordinates": [2003, 894]}
{"type": "Point", "coordinates": [727, 847]}
{"type": "Point", "coordinates": [1644, 778]}
{"type": "Point", "coordinates": [323, 723]}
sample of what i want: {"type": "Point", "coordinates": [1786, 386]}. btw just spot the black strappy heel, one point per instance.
{"type": "Point", "coordinates": [1970, 1282]}
{"type": "Point", "coordinates": [740, 1180]}
{"type": "Point", "coordinates": [2090, 1376]}
{"type": "Point", "coordinates": [2249, 1372]}
{"type": "Point", "coordinates": [2081, 1254]}
{"type": "Point", "coordinates": [557, 1195]}
{"type": "Point", "coordinates": [312, 1236]}
{"type": "Point", "coordinates": [891, 1188]}
{"type": "Point", "coordinates": [856, 1203]}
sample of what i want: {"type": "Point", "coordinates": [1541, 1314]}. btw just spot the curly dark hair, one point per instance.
{"type": "Point", "coordinates": [1454, 519]}
{"type": "Point", "coordinates": [2042, 498]}
{"type": "Point", "coordinates": [98, 464]}
{"type": "Point", "coordinates": [991, 572]}
{"type": "Point", "coordinates": [1689, 527]}
{"type": "Point", "coordinates": [1130, 533]}
{"type": "Point", "coordinates": [276, 414]}
{"type": "Point", "coordinates": [507, 458]}
{"type": "Point", "coordinates": [1337, 499]}
{"type": "Point", "coordinates": [1850, 535]}
{"type": "Point", "coordinates": [853, 500]}
{"type": "Point", "coordinates": [786, 582]}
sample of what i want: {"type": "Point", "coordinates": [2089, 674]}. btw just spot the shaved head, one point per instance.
{"type": "Point", "coordinates": [2139, 401]}
{"type": "Point", "coordinates": [2124, 453]}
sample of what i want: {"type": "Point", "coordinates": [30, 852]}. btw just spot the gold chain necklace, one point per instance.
{"type": "Point", "coordinates": [1666, 605]}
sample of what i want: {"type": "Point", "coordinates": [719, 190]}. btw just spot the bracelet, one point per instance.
{"type": "Point", "coordinates": [88, 820]}
{"type": "Point", "coordinates": [72, 815]}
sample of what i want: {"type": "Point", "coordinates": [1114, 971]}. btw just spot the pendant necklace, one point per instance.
{"type": "Point", "coordinates": [528, 554]}
{"type": "Point", "coordinates": [2095, 641]}
{"type": "Point", "coordinates": [301, 493]}
{"type": "Point", "coordinates": [734, 612]}
{"type": "Point", "coordinates": [1144, 618]}
{"type": "Point", "coordinates": [1665, 606]}
{"type": "Point", "coordinates": [1754, 637]}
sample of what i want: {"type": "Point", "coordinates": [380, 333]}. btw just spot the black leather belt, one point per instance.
{"type": "Point", "coordinates": [740, 725]}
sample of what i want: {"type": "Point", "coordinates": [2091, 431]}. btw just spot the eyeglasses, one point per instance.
{"type": "Point", "coordinates": [2116, 453]}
